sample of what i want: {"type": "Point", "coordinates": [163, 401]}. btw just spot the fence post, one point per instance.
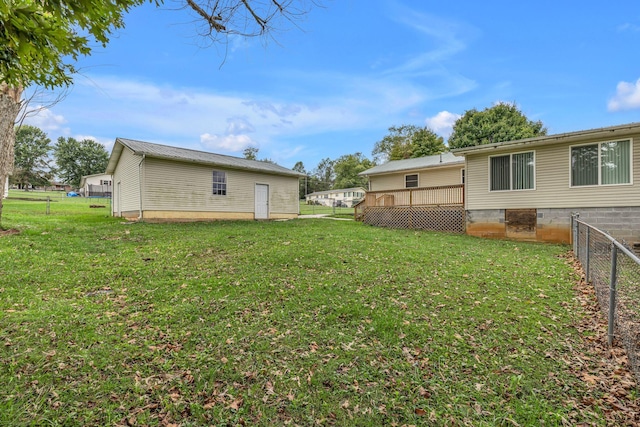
{"type": "Point", "coordinates": [612, 292]}
{"type": "Point", "coordinates": [587, 253]}
{"type": "Point", "coordinates": [573, 234]}
{"type": "Point", "coordinates": [576, 238]}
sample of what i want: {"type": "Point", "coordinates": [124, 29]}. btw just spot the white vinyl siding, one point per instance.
{"type": "Point", "coordinates": [552, 183]}
{"type": "Point", "coordinates": [605, 163]}
{"type": "Point", "coordinates": [128, 175]}
{"type": "Point", "coordinates": [433, 177]}
{"type": "Point", "coordinates": [512, 172]}
{"type": "Point", "coordinates": [176, 186]}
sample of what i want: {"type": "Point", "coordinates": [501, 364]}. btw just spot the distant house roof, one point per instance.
{"type": "Point", "coordinates": [84, 178]}
{"type": "Point", "coordinates": [438, 160]}
{"type": "Point", "coordinates": [337, 190]}
{"type": "Point", "coordinates": [606, 132]}
{"type": "Point", "coordinates": [167, 152]}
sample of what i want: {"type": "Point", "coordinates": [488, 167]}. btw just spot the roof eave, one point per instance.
{"type": "Point", "coordinates": [622, 130]}
{"type": "Point", "coordinates": [194, 161]}
{"type": "Point", "coordinates": [436, 166]}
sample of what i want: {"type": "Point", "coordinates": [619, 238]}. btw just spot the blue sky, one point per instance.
{"type": "Point", "coordinates": [351, 70]}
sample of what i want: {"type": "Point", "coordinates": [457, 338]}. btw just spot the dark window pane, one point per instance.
{"type": "Point", "coordinates": [499, 173]}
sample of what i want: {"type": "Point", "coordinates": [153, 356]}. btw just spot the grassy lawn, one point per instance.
{"type": "Point", "coordinates": [303, 322]}
{"type": "Point", "coordinates": [318, 209]}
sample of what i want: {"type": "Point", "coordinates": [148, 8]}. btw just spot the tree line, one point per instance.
{"type": "Point", "coordinates": [37, 161]}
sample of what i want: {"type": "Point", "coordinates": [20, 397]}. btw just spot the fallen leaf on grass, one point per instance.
{"type": "Point", "coordinates": [269, 387]}
{"type": "Point", "coordinates": [236, 404]}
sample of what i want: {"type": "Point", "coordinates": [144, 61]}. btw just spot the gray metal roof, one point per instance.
{"type": "Point", "coordinates": [193, 156]}
{"type": "Point", "coordinates": [438, 160]}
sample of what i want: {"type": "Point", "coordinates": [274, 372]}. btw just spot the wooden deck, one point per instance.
{"type": "Point", "coordinates": [426, 208]}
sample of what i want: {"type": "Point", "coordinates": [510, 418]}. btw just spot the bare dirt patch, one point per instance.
{"type": "Point", "coordinates": [8, 232]}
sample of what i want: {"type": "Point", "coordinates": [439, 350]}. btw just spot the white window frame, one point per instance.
{"type": "Point", "coordinates": [417, 175]}
{"type": "Point", "coordinates": [599, 143]}
{"type": "Point", "coordinates": [226, 183]}
{"type": "Point", "coordinates": [463, 175]}
{"type": "Point", "coordinates": [535, 180]}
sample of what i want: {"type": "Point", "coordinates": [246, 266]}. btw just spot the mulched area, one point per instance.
{"type": "Point", "coordinates": [605, 370]}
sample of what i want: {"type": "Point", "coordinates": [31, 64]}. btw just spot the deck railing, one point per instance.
{"type": "Point", "coordinates": [424, 196]}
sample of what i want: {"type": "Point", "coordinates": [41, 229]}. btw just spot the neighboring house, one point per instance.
{"type": "Point", "coordinates": [430, 171]}
{"type": "Point", "coordinates": [345, 197]}
{"type": "Point", "coordinates": [162, 183]}
{"type": "Point", "coordinates": [56, 186]}
{"type": "Point", "coordinates": [528, 189]}
{"type": "Point", "coordinates": [97, 185]}
{"type": "Point", "coordinates": [425, 193]}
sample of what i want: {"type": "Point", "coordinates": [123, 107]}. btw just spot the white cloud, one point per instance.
{"type": "Point", "coordinates": [233, 143]}
{"type": "Point", "coordinates": [442, 123]}
{"type": "Point", "coordinates": [627, 26]}
{"type": "Point", "coordinates": [227, 122]}
{"type": "Point", "coordinates": [627, 97]}
{"type": "Point", "coordinates": [108, 143]}
{"type": "Point", "coordinates": [239, 125]}
{"type": "Point", "coordinates": [44, 119]}
{"type": "Point", "coordinates": [134, 109]}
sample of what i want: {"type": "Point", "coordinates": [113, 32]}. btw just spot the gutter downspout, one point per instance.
{"type": "Point", "coordinates": [140, 185]}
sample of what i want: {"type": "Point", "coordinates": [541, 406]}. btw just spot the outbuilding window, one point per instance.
{"type": "Point", "coordinates": [512, 172]}
{"type": "Point", "coordinates": [411, 181]}
{"type": "Point", "coordinates": [604, 163]}
{"type": "Point", "coordinates": [219, 183]}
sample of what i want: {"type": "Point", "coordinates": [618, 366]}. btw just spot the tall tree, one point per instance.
{"type": "Point", "coordinates": [74, 159]}
{"type": "Point", "coordinates": [502, 122]}
{"type": "Point", "coordinates": [426, 142]}
{"type": "Point", "coordinates": [324, 174]}
{"type": "Point", "coordinates": [299, 167]}
{"type": "Point", "coordinates": [348, 167]}
{"type": "Point", "coordinates": [32, 149]}
{"type": "Point", "coordinates": [408, 141]}
{"type": "Point", "coordinates": [40, 41]}
{"type": "Point", "coordinates": [304, 182]}
{"type": "Point", "coordinates": [250, 153]}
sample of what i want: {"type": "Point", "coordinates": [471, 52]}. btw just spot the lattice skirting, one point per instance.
{"type": "Point", "coordinates": [436, 218]}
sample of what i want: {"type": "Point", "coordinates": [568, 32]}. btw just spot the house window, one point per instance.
{"type": "Point", "coordinates": [219, 183]}
{"type": "Point", "coordinates": [411, 181]}
{"type": "Point", "coordinates": [462, 172]}
{"type": "Point", "coordinates": [105, 182]}
{"type": "Point", "coordinates": [605, 163]}
{"type": "Point", "coordinates": [512, 172]}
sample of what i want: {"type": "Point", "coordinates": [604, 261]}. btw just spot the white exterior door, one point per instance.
{"type": "Point", "coordinates": [262, 201]}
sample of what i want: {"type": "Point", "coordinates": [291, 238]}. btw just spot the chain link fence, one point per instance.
{"type": "Point", "coordinates": [614, 271]}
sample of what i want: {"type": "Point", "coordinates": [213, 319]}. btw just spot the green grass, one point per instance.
{"type": "Point", "coordinates": [318, 209]}
{"type": "Point", "coordinates": [304, 322]}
